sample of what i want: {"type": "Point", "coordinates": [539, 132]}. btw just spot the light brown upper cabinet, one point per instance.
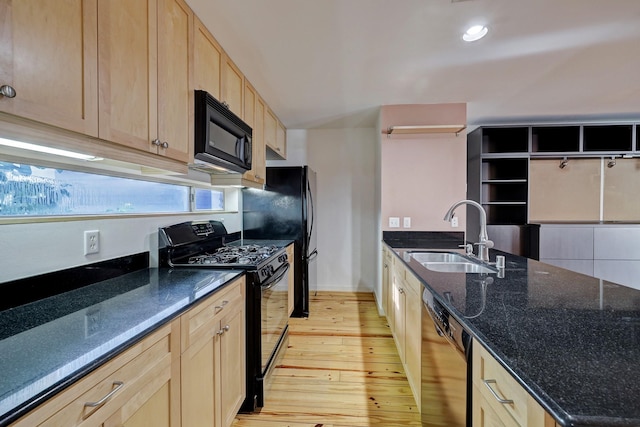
{"type": "Point", "coordinates": [275, 135]}
{"type": "Point", "coordinates": [270, 129]}
{"type": "Point", "coordinates": [145, 100]}
{"type": "Point", "coordinates": [570, 193]}
{"type": "Point", "coordinates": [207, 60]}
{"type": "Point", "coordinates": [281, 140]}
{"type": "Point", "coordinates": [232, 86]}
{"type": "Point", "coordinates": [48, 55]}
{"type": "Point", "coordinates": [254, 117]}
{"type": "Point", "coordinates": [621, 189]}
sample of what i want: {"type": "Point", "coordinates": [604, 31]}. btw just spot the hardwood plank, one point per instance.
{"type": "Point", "coordinates": [341, 369]}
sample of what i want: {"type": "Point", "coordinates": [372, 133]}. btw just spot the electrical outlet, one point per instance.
{"type": "Point", "coordinates": [91, 242]}
{"type": "Point", "coordinates": [394, 222]}
{"type": "Point", "coordinates": [406, 222]}
{"type": "Point", "coordinates": [454, 221]}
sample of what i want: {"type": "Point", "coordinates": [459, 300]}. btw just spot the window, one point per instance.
{"type": "Point", "coordinates": [27, 190]}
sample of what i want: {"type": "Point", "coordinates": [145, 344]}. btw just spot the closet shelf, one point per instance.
{"type": "Point", "coordinates": [424, 129]}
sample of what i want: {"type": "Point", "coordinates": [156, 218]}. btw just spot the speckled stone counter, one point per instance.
{"type": "Point", "coordinates": [572, 341]}
{"type": "Point", "coordinates": [48, 344]}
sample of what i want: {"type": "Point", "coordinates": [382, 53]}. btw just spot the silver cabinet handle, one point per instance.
{"type": "Point", "coordinates": [156, 142]}
{"type": "Point", "coordinates": [221, 306]}
{"type": "Point", "coordinates": [401, 291]}
{"type": "Point", "coordinates": [7, 91]}
{"type": "Point", "coordinates": [223, 330]}
{"type": "Point", "coordinates": [164, 145]}
{"type": "Point", "coordinates": [118, 384]}
{"type": "Point", "coordinates": [498, 398]}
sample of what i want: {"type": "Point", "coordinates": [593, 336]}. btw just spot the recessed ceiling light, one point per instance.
{"type": "Point", "coordinates": [475, 33]}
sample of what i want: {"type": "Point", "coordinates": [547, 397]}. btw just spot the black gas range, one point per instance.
{"type": "Point", "coordinates": [206, 244]}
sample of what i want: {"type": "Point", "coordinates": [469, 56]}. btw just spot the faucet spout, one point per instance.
{"type": "Point", "coordinates": [484, 242]}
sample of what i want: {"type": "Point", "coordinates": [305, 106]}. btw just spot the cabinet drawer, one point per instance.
{"type": "Point", "coordinates": [489, 378]}
{"type": "Point", "coordinates": [483, 413]}
{"type": "Point", "coordinates": [200, 321]}
{"type": "Point", "coordinates": [93, 399]}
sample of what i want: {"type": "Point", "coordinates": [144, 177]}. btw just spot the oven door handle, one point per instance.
{"type": "Point", "coordinates": [273, 280]}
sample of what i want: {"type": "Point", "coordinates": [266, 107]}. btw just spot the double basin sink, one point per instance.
{"type": "Point", "coordinates": [450, 262]}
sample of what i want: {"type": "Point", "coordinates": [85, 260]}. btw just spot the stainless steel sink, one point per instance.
{"type": "Point", "coordinates": [450, 262]}
{"type": "Point", "coordinates": [438, 257]}
{"type": "Point", "coordinates": [458, 267]}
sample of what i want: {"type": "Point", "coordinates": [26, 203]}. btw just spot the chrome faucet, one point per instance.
{"type": "Point", "coordinates": [484, 243]}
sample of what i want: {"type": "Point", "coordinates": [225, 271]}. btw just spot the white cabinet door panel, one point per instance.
{"type": "Point", "coordinates": [622, 272]}
{"type": "Point", "coordinates": [619, 243]}
{"type": "Point", "coordinates": [584, 266]}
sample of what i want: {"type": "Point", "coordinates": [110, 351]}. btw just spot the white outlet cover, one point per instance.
{"type": "Point", "coordinates": [454, 221]}
{"type": "Point", "coordinates": [406, 222]}
{"type": "Point", "coordinates": [91, 242]}
{"type": "Point", "coordinates": [394, 222]}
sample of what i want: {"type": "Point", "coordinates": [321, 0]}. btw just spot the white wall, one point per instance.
{"type": "Point", "coordinates": [345, 163]}
{"type": "Point", "coordinates": [31, 249]}
{"type": "Point", "coordinates": [344, 160]}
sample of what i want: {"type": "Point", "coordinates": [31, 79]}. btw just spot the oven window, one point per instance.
{"type": "Point", "coordinates": [274, 316]}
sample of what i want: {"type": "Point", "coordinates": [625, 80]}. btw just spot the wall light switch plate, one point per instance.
{"type": "Point", "coordinates": [394, 222]}
{"type": "Point", "coordinates": [454, 221]}
{"type": "Point", "coordinates": [406, 222]}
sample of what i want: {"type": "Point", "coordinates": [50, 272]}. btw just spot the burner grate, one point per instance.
{"type": "Point", "coordinates": [248, 255]}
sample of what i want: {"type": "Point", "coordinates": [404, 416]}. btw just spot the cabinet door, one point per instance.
{"type": "Point", "coordinates": [207, 60]}
{"type": "Point", "coordinates": [127, 54]}
{"type": "Point", "coordinates": [48, 54]}
{"type": "Point", "coordinates": [413, 340]}
{"type": "Point", "coordinates": [198, 383]}
{"type": "Point", "coordinates": [620, 200]}
{"type": "Point", "coordinates": [385, 281]}
{"type": "Point", "coordinates": [270, 129]}
{"type": "Point", "coordinates": [281, 140]}
{"type": "Point", "coordinates": [252, 118]}
{"type": "Point", "coordinates": [398, 315]}
{"type": "Point", "coordinates": [175, 99]}
{"type": "Point", "coordinates": [232, 367]}
{"type": "Point", "coordinates": [571, 193]}
{"type": "Point", "coordinates": [232, 86]}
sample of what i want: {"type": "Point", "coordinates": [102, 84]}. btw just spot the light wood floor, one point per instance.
{"type": "Point", "coordinates": [341, 369]}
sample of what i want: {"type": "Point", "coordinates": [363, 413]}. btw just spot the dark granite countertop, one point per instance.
{"type": "Point", "coordinates": [48, 344]}
{"type": "Point", "coordinates": [572, 341]}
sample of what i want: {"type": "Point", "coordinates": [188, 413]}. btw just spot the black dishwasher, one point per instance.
{"type": "Point", "coordinates": [446, 367]}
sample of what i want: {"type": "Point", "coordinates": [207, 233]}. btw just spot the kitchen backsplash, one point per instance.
{"type": "Point", "coordinates": [36, 248]}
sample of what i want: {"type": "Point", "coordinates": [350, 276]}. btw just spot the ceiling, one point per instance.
{"type": "Point", "coordinates": [333, 63]}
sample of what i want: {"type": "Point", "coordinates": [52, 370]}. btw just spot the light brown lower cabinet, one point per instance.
{"type": "Point", "coordinates": [213, 362]}
{"type": "Point", "coordinates": [171, 378]}
{"type": "Point", "coordinates": [140, 387]}
{"type": "Point", "coordinates": [498, 399]}
{"type": "Point", "coordinates": [404, 320]}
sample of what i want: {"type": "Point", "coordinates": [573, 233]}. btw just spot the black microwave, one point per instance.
{"type": "Point", "coordinates": [222, 139]}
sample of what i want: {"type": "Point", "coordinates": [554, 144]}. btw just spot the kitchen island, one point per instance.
{"type": "Point", "coordinates": [50, 344]}
{"type": "Point", "coordinates": [571, 341]}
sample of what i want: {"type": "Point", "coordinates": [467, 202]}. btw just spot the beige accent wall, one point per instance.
{"type": "Point", "coordinates": [423, 175]}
